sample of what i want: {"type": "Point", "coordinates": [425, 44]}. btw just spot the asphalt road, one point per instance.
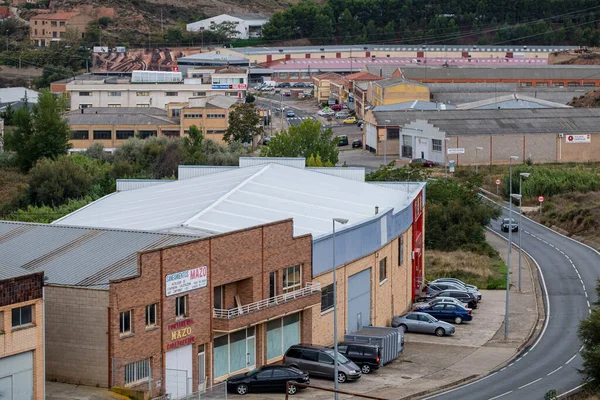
{"type": "Point", "coordinates": [570, 270]}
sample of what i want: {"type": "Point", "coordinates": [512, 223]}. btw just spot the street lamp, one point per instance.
{"type": "Point", "coordinates": [446, 140]}
{"type": "Point", "coordinates": [387, 121]}
{"type": "Point", "coordinates": [510, 224]}
{"type": "Point", "coordinates": [522, 177]}
{"type": "Point", "coordinates": [477, 149]}
{"type": "Point", "coordinates": [342, 221]}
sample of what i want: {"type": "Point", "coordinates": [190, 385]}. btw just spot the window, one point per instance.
{"type": "Point", "coordinates": [85, 106]}
{"type": "Point", "coordinates": [291, 279]}
{"type": "Point", "coordinates": [393, 133]}
{"type": "Point", "coordinates": [80, 135]}
{"type": "Point", "coordinates": [401, 250]}
{"type": "Point", "coordinates": [293, 75]}
{"type": "Point", "coordinates": [438, 307]}
{"type": "Point", "coordinates": [279, 374]}
{"type": "Point", "coordinates": [327, 298]}
{"type": "Point", "coordinates": [234, 352]}
{"type": "Point", "coordinates": [542, 84]}
{"type": "Point", "coordinates": [151, 315]}
{"type": "Point", "coordinates": [53, 34]}
{"type": "Point", "coordinates": [558, 84]}
{"type": "Point", "coordinates": [281, 334]}
{"type": "Point", "coordinates": [146, 134]}
{"type": "Point", "coordinates": [325, 359]}
{"type": "Point", "coordinates": [53, 23]}
{"type": "Point", "coordinates": [114, 94]}
{"type": "Point", "coordinates": [586, 84]}
{"type": "Point", "coordinates": [272, 284]}
{"type": "Point", "coordinates": [436, 145]}
{"type": "Point", "coordinates": [140, 94]}
{"type": "Point", "coordinates": [181, 307]}
{"type": "Point", "coordinates": [283, 75]}
{"type": "Point", "coordinates": [114, 105]}
{"type": "Point", "coordinates": [176, 112]}
{"type": "Point", "coordinates": [192, 115]}
{"type": "Point", "coordinates": [102, 135]}
{"type": "Point", "coordinates": [382, 269]}
{"type": "Point", "coordinates": [406, 146]}
{"type": "Point", "coordinates": [62, 34]}
{"type": "Point", "coordinates": [62, 23]}
{"type": "Point", "coordinates": [85, 93]}
{"type": "Point", "coordinates": [573, 84]}
{"type": "Point", "coordinates": [310, 355]}
{"type": "Point", "coordinates": [125, 322]}
{"type": "Point", "coordinates": [171, 94]}
{"type": "Point", "coordinates": [354, 351]}
{"type": "Point", "coordinates": [218, 297]}
{"type": "Point", "coordinates": [123, 135]}
{"type": "Point", "coordinates": [143, 105]}
{"type": "Point", "coordinates": [199, 94]}
{"type": "Point", "coordinates": [215, 116]}
{"type": "Point", "coordinates": [525, 84]}
{"type": "Point", "coordinates": [137, 371]}
{"type": "Point", "coordinates": [412, 317]}
{"type": "Point", "coordinates": [21, 316]}
{"type": "Point", "coordinates": [36, 31]}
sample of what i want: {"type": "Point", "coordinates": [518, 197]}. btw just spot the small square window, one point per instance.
{"type": "Point", "coordinates": [125, 322]}
{"type": "Point", "coordinates": [22, 316]}
{"type": "Point", "coordinates": [383, 270]}
{"type": "Point", "coordinates": [181, 307]}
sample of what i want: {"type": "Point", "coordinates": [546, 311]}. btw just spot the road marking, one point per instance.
{"type": "Point", "coordinates": [530, 383]}
{"type": "Point", "coordinates": [581, 348]}
{"type": "Point", "coordinates": [502, 369]}
{"type": "Point", "coordinates": [588, 302]}
{"type": "Point", "coordinates": [571, 359]}
{"type": "Point", "coordinates": [462, 387]}
{"type": "Point", "coordinates": [500, 395]}
{"type": "Point", "coordinates": [572, 390]}
{"type": "Point", "coordinates": [557, 369]}
{"type": "Point", "coordinates": [511, 364]}
{"type": "Point", "coordinates": [586, 296]}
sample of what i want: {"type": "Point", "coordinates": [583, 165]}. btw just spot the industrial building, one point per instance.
{"type": "Point", "coordinates": [247, 25]}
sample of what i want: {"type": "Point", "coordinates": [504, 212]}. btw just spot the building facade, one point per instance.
{"type": "Point", "coordinates": [396, 90]}
{"type": "Point", "coordinates": [22, 374]}
{"type": "Point", "coordinates": [246, 25]}
{"type": "Point", "coordinates": [47, 28]}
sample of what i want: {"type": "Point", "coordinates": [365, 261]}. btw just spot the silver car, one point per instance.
{"type": "Point", "coordinates": [318, 361]}
{"type": "Point", "coordinates": [423, 323]}
{"type": "Point", "coordinates": [439, 300]}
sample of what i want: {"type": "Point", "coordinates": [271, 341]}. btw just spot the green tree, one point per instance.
{"type": "Point", "coordinates": [250, 98]}
{"type": "Point", "coordinates": [52, 74]}
{"type": "Point", "coordinates": [347, 26]}
{"type": "Point", "coordinates": [244, 124]}
{"type": "Point", "coordinates": [8, 115]}
{"type": "Point", "coordinates": [323, 30]}
{"type": "Point", "coordinates": [589, 334]}
{"type": "Point", "coordinates": [44, 132]}
{"type": "Point", "coordinates": [225, 30]}
{"type": "Point", "coordinates": [304, 140]}
{"type": "Point", "coordinates": [174, 35]}
{"type": "Point", "coordinates": [407, 173]}
{"type": "Point", "coordinates": [193, 144]}
{"type": "Point", "coordinates": [54, 182]}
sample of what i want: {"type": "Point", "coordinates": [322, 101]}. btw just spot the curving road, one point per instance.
{"type": "Point", "coordinates": [569, 271]}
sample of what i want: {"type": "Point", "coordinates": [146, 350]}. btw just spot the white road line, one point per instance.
{"type": "Point", "coordinates": [502, 369]}
{"type": "Point", "coordinates": [530, 383]}
{"type": "Point", "coordinates": [571, 359]}
{"type": "Point", "coordinates": [511, 364]}
{"type": "Point", "coordinates": [586, 296]}
{"type": "Point", "coordinates": [556, 370]}
{"type": "Point", "coordinates": [503, 394]}
{"type": "Point", "coordinates": [581, 348]}
{"type": "Point", "coordinates": [572, 390]}
{"type": "Point", "coordinates": [588, 303]}
{"type": "Point", "coordinates": [462, 387]}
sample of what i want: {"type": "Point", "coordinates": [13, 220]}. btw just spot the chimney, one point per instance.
{"type": "Point", "coordinates": [376, 210]}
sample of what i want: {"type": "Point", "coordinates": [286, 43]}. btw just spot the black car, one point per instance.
{"type": "Point", "coordinates": [283, 84]}
{"type": "Point", "coordinates": [466, 297]}
{"type": "Point", "coordinates": [299, 84]}
{"type": "Point", "coordinates": [268, 378]}
{"type": "Point", "coordinates": [356, 143]}
{"type": "Point", "coordinates": [366, 356]}
{"type": "Point", "coordinates": [509, 223]}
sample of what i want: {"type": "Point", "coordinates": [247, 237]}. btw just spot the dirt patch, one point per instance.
{"type": "Point", "coordinates": [480, 270]}
{"type": "Point", "coordinates": [588, 100]}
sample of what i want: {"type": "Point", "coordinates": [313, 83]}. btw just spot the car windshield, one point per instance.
{"type": "Point", "coordinates": [254, 371]}
{"type": "Point", "coordinates": [341, 358]}
{"type": "Point", "coordinates": [511, 220]}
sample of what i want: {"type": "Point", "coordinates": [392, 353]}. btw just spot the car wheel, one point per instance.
{"type": "Point", "coordinates": [365, 369]}
{"type": "Point", "coordinates": [292, 389]}
{"type": "Point", "coordinates": [242, 389]}
{"type": "Point", "coordinates": [341, 377]}
{"type": "Point", "coordinates": [404, 328]}
{"type": "Point", "coordinates": [458, 320]}
{"type": "Point", "coordinates": [440, 332]}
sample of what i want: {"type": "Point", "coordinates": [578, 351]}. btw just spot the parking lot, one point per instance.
{"type": "Point", "coordinates": [430, 363]}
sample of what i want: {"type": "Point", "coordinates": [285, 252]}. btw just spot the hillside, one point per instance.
{"type": "Point", "coordinates": [588, 100]}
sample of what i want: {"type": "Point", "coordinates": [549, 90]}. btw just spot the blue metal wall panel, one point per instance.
{"type": "Point", "coordinates": [359, 300]}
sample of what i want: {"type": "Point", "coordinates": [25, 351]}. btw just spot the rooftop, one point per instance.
{"type": "Point", "coordinates": [390, 82]}
{"type": "Point", "coordinates": [249, 16]}
{"type": "Point", "coordinates": [363, 76]}
{"type": "Point", "coordinates": [562, 72]}
{"type": "Point", "coordinates": [76, 256]}
{"type": "Point", "coordinates": [120, 116]}
{"type": "Point", "coordinates": [417, 105]}
{"type": "Point", "coordinates": [211, 56]}
{"type": "Point", "coordinates": [514, 101]}
{"type": "Point", "coordinates": [237, 198]}
{"type": "Point", "coordinates": [17, 94]}
{"type": "Point", "coordinates": [55, 16]}
{"type": "Point", "coordinates": [218, 101]}
{"type": "Point", "coordinates": [498, 122]}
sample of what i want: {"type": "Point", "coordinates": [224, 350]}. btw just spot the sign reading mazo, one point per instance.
{"type": "Point", "coordinates": [185, 281]}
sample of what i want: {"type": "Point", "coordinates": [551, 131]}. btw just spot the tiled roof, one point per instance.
{"type": "Point", "coordinates": [56, 16]}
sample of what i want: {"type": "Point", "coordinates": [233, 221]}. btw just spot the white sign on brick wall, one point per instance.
{"type": "Point", "coordinates": [185, 281]}
{"type": "Point", "coordinates": [578, 138]}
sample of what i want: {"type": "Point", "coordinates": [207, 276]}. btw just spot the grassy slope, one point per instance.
{"type": "Point", "coordinates": [475, 269]}
{"type": "Point", "coordinates": [12, 185]}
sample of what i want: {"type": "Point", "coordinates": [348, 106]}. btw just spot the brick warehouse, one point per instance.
{"type": "Point", "coordinates": [21, 334]}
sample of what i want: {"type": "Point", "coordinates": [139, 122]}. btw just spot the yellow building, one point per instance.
{"type": "Point", "coordinates": [47, 28]}
{"type": "Point", "coordinates": [21, 335]}
{"type": "Point", "coordinates": [397, 90]}
{"type": "Point", "coordinates": [323, 85]}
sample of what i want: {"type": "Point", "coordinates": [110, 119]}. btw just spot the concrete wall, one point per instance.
{"type": "Point", "coordinates": [76, 335]}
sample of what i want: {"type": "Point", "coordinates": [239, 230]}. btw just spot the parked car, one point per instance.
{"type": "Point", "coordinates": [366, 356]}
{"type": "Point", "coordinates": [458, 285]}
{"type": "Point", "coordinates": [342, 140]}
{"type": "Point", "coordinates": [287, 93]}
{"type": "Point", "coordinates": [283, 84]}
{"type": "Point", "coordinates": [422, 161]}
{"type": "Point", "coordinates": [299, 84]}
{"type": "Point", "coordinates": [336, 107]}
{"type": "Point", "coordinates": [450, 312]}
{"type": "Point", "coordinates": [268, 378]}
{"type": "Point", "coordinates": [357, 143]}
{"type": "Point", "coordinates": [326, 112]}
{"type": "Point", "coordinates": [290, 114]}
{"type": "Point", "coordinates": [439, 286]}
{"type": "Point", "coordinates": [266, 141]}
{"type": "Point", "coordinates": [464, 296]}
{"type": "Point", "coordinates": [439, 300]}
{"type": "Point", "coordinates": [280, 108]}
{"type": "Point", "coordinates": [350, 120]}
{"type": "Point", "coordinates": [423, 323]}
{"type": "Point", "coordinates": [318, 361]}
{"type": "Point", "coordinates": [455, 281]}
{"type": "Point", "coordinates": [509, 222]}
{"type": "Point", "coordinates": [341, 114]}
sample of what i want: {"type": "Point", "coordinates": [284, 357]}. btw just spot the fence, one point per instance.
{"type": "Point", "coordinates": [214, 392]}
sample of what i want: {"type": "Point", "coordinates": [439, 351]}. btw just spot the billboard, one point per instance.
{"type": "Point", "coordinates": [578, 138]}
{"type": "Point", "coordinates": [100, 49]}
{"type": "Point", "coordinates": [225, 86]}
{"type": "Point", "coordinates": [186, 281]}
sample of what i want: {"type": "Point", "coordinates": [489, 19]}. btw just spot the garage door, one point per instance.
{"type": "Point", "coordinates": [179, 372]}
{"type": "Point", "coordinates": [359, 300]}
{"type": "Point", "coordinates": [16, 377]}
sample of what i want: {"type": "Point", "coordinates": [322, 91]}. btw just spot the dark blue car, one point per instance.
{"type": "Point", "coordinates": [449, 312]}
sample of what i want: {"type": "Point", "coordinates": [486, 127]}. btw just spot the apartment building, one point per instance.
{"type": "Point", "coordinates": [145, 89]}
{"type": "Point", "coordinates": [21, 334]}
{"type": "Point", "coordinates": [47, 28]}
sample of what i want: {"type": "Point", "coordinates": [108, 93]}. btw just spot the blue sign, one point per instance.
{"type": "Point", "coordinates": [220, 86]}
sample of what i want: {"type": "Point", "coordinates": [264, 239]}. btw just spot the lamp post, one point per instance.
{"type": "Point", "coordinates": [342, 221]}
{"type": "Point", "coordinates": [387, 121]}
{"type": "Point", "coordinates": [522, 177]}
{"type": "Point", "coordinates": [510, 219]}
{"type": "Point", "coordinates": [477, 150]}
{"type": "Point", "coordinates": [446, 140]}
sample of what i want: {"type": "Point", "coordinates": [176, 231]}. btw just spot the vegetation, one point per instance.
{"type": "Point", "coordinates": [304, 140]}
{"type": "Point", "coordinates": [408, 173]}
{"type": "Point", "coordinates": [435, 21]}
{"type": "Point", "coordinates": [244, 124]}
{"type": "Point", "coordinates": [550, 181]}
{"type": "Point", "coordinates": [589, 334]}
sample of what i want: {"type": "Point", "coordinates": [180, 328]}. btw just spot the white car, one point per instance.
{"type": "Point", "coordinates": [439, 300]}
{"type": "Point", "coordinates": [325, 113]}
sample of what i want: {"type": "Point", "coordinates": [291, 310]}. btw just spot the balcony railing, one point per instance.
{"type": "Point", "coordinates": [308, 289]}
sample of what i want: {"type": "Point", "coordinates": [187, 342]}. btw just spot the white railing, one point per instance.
{"type": "Point", "coordinates": [308, 289]}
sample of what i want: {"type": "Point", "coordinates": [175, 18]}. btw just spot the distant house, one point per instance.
{"type": "Point", "coordinates": [47, 28]}
{"type": "Point", "coordinates": [248, 25]}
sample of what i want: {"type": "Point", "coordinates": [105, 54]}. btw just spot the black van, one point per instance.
{"type": "Point", "coordinates": [366, 356]}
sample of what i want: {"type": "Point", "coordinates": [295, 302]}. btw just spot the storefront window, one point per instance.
{"type": "Point", "coordinates": [234, 352]}
{"type": "Point", "coordinates": [281, 334]}
{"type": "Point", "coordinates": [221, 356]}
{"type": "Point", "coordinates": [237, 351]}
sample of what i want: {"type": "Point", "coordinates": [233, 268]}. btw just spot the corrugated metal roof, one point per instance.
{"type": "Point", "coordinates": [241, 198]}
{"type": "Point", "coordinates": [549, 72]}
{"type": "Point", "coordinates": [418, 105]}
{"type": "Point", "coordinates": [77, 255]}
{"type": "Point", "coordinates": [17, 94]}
{"type": "Point", "coordinates": [9, 271]}
{"type": "Point", "coordinates": [133, 184]}
{"type": "Point", "coordinates": [512, 101]}
{"type": "Point", "coordinates": [507, 121]}
{"type": "Point", "coordinates": [118, 116]}
{"type": "Point", "coordinates": [386, 83]}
